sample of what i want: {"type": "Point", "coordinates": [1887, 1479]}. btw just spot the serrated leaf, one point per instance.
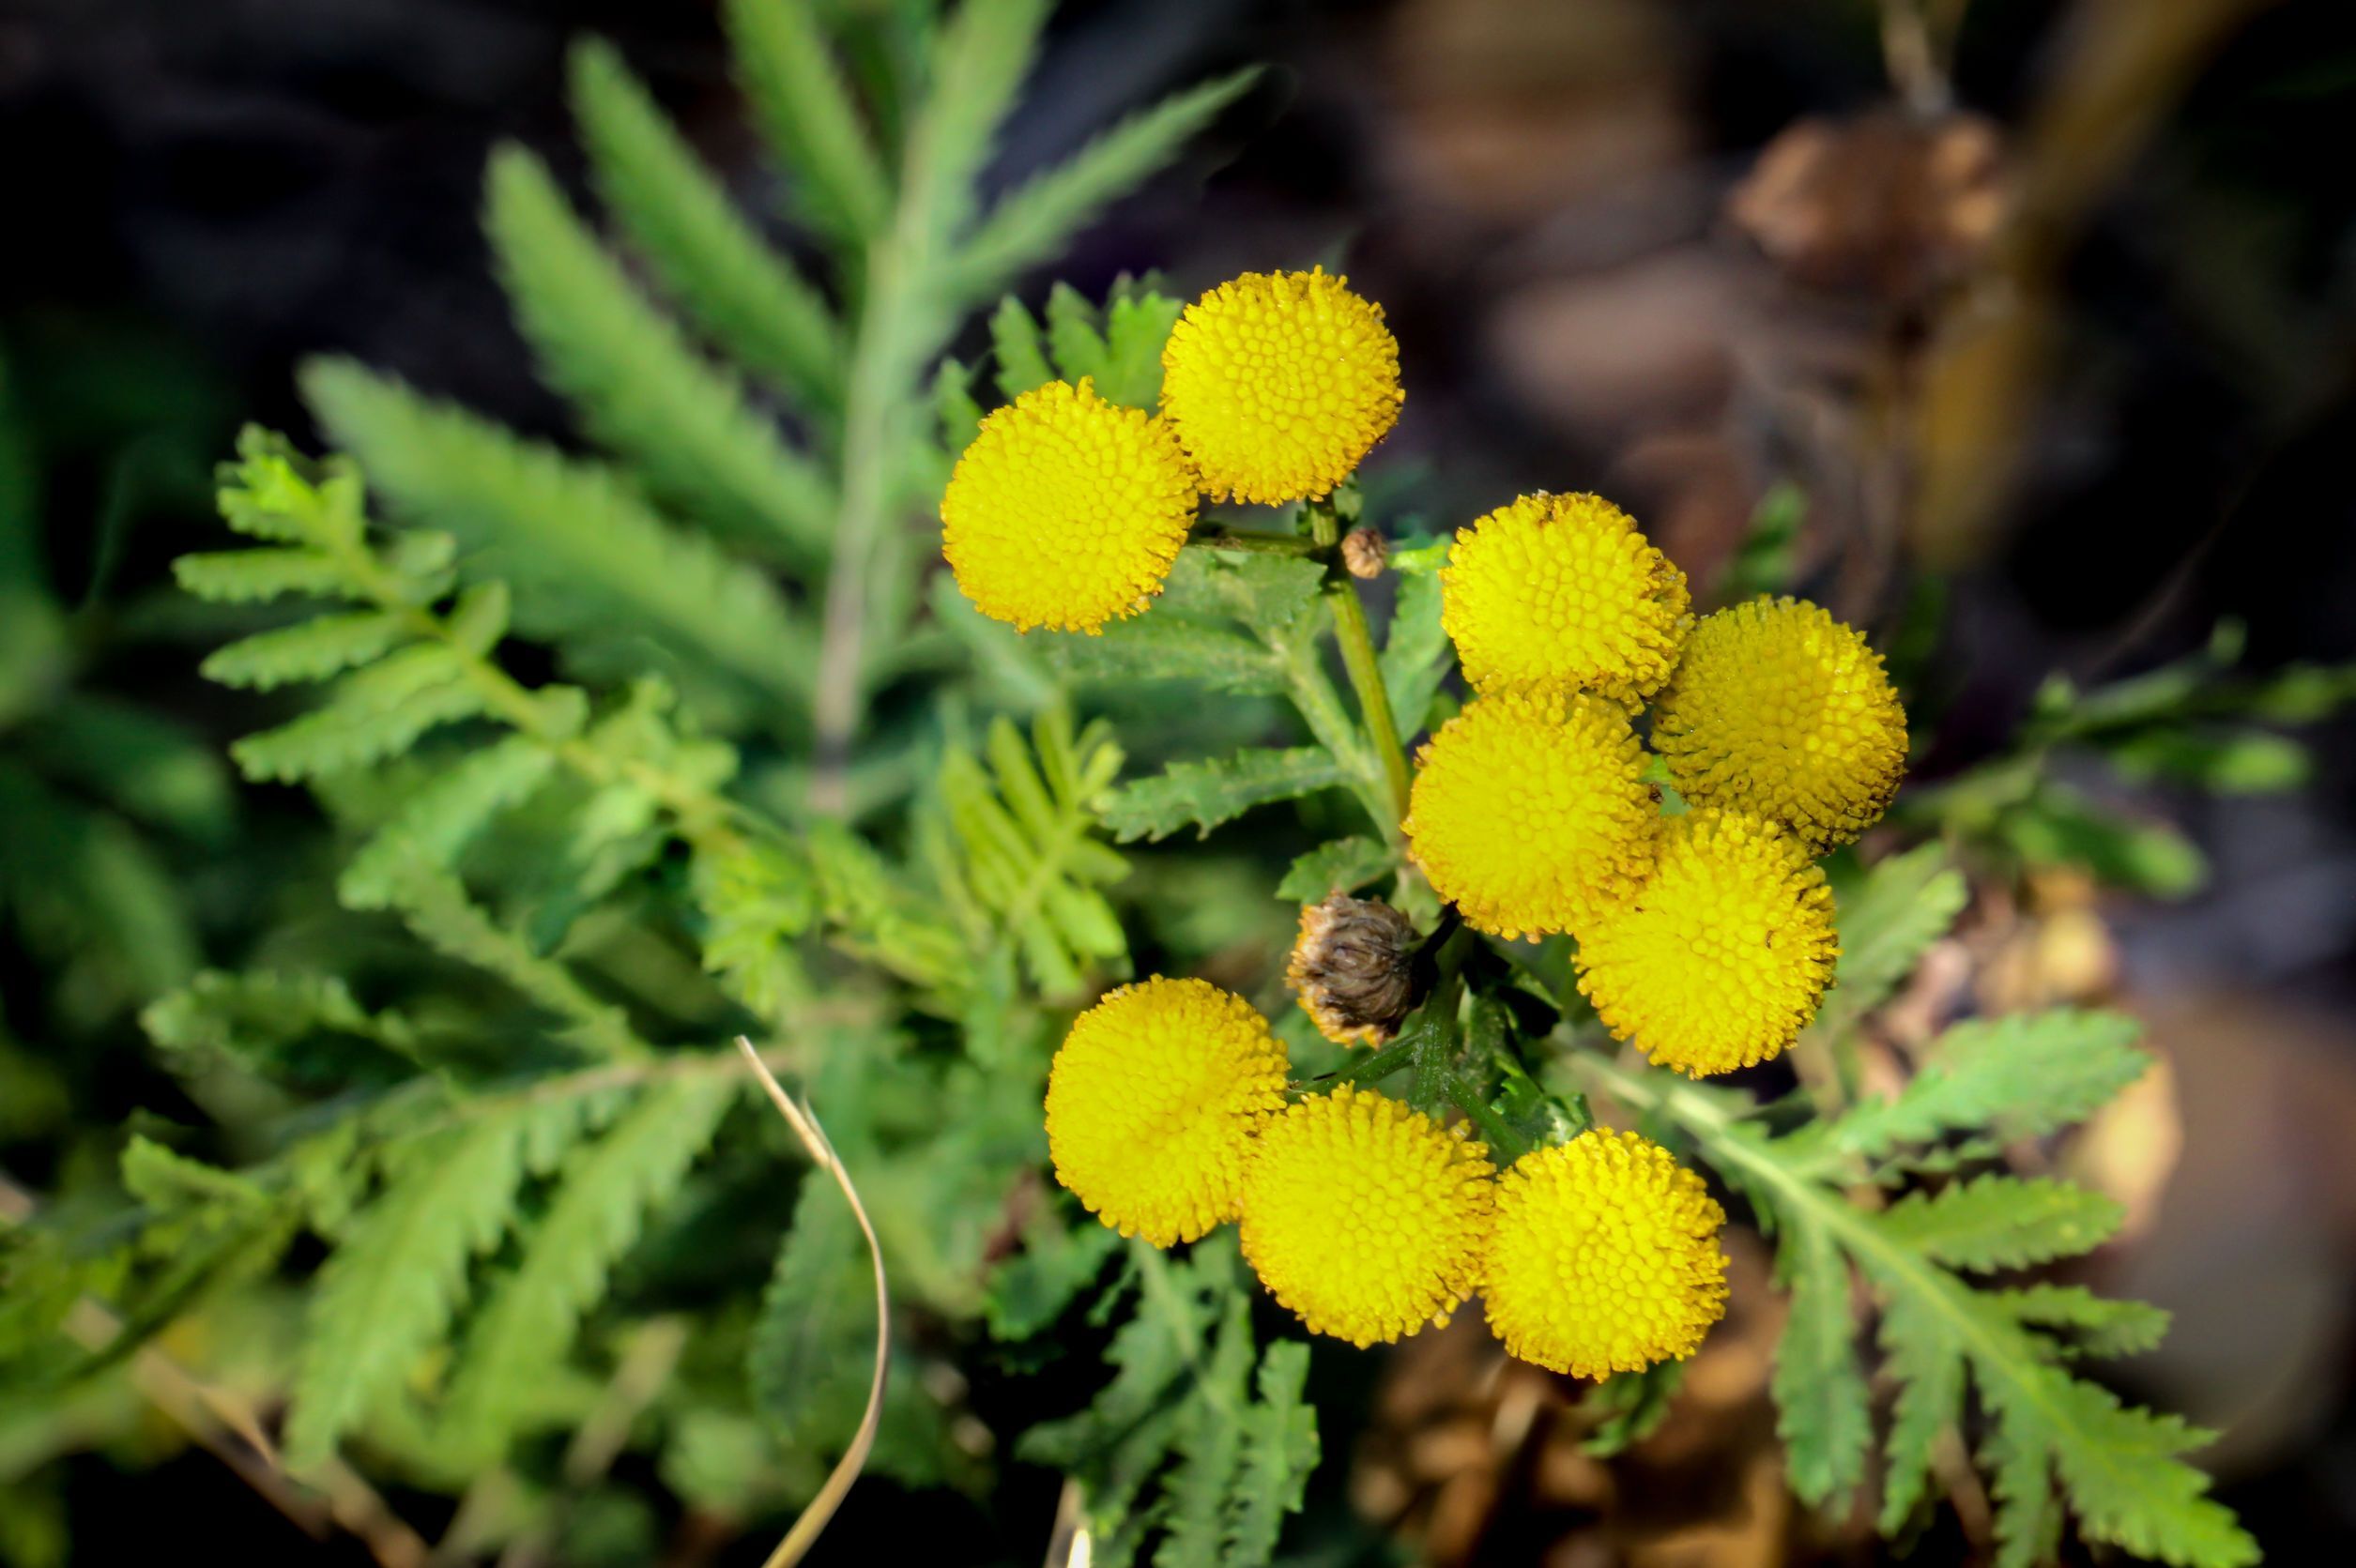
{"type": "Point", "coordinates": [607, 1188]}
{"type": "Point", "coordinates": [1823, 1414]}
{"type": "Point", "coordinates": [743, 293]}
{"type": "Point", "coordinates": [435, 823]}
{"type": "Point", "coordinates": [1886, 923]}
{"type": "Point", "coordinates": [1926, 1361]}
{"type": "Point", "coordinates": [2002, 1221]}
{"type": "Point", "coordinates": [2102, 1326]}
{"type": "Point", "coordinates": [1020, 350]}
{"type": "Point", "coordinates": [1033, 222]}
{"type": "Point", "coordinates": [684, 422]}
{"type": "Point", "coordinates": [1210, 1446]}
{"type": "Point", "coordinates": [582, 553]}
{"type": "Point", "coordinates": [1343, 866]}
{"type": "Point", "coordinates": [391, 1289]}
{"type": "Point", "coordinates": [1203, 794]}
{"type": "Point", "coordinates": [1073, 339]}
{"type": "Point", "coordinates": [1137, 326]}
{"type": "Point", "coordinates": [312, 650]}
{"type": "Point", "coordinates": [1415, 658]}
{"type": "Point", "coordinates": [2017, 1077]}
{"type": "Point", "coordinates": [798, 95]}
{"type": "Point", "coordinates": [249, 576]}
{"type": "Point", "coordinates": [961, 417]}
{"type": "Point", "coordinates": [1280, 1449]}
{"type": "Point", "coordinates": [302, 1028]}
{"type": "Point", "coordinates": [374, 714]}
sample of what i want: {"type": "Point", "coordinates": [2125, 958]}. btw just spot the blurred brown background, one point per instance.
{"type": "Point", "coordinates": [2054, 303]}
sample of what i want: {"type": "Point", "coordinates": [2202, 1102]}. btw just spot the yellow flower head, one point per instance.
{"type": "Point", "coordinates": [1779, 711]}
{"type": "Point", "coordinates": [1153, 1103]}
{"type": "Point", "coordinates": [1604, 1258]}
{"type": "Point", "coordinates": [1066, 510]}
{"type": "Point", "coordinates": [1719, 959]}
{"type": "Point", "coordinates": [1529, 813]}
{"type": "Point", "coordinates": [1561, 592]}
{"type": "Point", "coordinates": [1279, 383]}
{"type": "Point", "coordinates": [1366, 1218]}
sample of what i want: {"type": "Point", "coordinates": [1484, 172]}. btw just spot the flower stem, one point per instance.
{"type": "Point", "coordinates": [1358, 656]}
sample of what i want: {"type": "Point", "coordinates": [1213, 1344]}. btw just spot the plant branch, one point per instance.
{"type": "Point", "coordinates": [1356, 639]}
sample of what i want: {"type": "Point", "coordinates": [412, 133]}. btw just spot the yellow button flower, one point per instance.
{"type": "Point", "coordinates": [1066, 510]}
{"type": "Point", "coordinates": [1153, 1101]}
{"type": "Point", "coordinates": [1720, 958]}
{"type": "Point", "coordinates": [1530, 814]}
{"type": "Point", "coordinates": [1604, 1258]}
{"type": "Point", "coordinates": [1365, 1218]}
{"type": "Point", "coordinates": [1562, 592]}
{"type": "Point", "coordinates": [1279, 383]}
{"type": "Point", "coordinates": [1779, 711]}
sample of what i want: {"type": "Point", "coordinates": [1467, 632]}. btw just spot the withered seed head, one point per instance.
{"type": "Point", "coordinates": [1353, 969]}
{"type": "Point", "coordinates": [1362, 552]}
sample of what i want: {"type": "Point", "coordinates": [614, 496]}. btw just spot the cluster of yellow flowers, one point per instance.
{"type": "Point", "coordinates": [1363, 1217]}
{"type": "Point", "coordinates": [1707, 939]}
{"type": "Point", "coordinates": [1066, 510]}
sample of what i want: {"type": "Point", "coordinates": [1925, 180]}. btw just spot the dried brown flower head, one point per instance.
{"type": "Point", "coordinates": [1353, 968]}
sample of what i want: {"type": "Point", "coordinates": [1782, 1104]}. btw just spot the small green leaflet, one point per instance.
{"type": "Point", "coordinates": [1203, 794]}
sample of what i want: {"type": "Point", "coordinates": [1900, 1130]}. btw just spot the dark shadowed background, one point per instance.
{"type": "Point", "coordinates": [2069, 330]}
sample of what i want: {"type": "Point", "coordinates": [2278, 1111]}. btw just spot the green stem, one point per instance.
{"type": "Point", "coordinates": [1503, 1143]}
{"type": "Point", "coordinates": [1356, 639]}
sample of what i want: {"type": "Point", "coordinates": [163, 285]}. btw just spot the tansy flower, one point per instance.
{"type": "Point", "coordinates": [1366, 1218]}
{"type": "Point", "coordinates": [1354, 970]}
{"type": "Point", "coordinates": [1719, 959]}
{"type": "Point", "coordinates": [1153, 1101]}
{"type": "Point", "coordinates": [1779, 711]}
{"type": "Point", "coordinates": [1604, 1258]}
{"type": "Point", "coordinates": [1561, 592]}
{"type": "Point", "coordinates": [1066, 510]}
{"type": "Point", "coordinates": [1529, 813]}
{"type": "Point", "coordinates": [1279, 383]}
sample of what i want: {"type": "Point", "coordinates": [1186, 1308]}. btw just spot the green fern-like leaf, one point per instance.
{"type": "Point", "coordinates": [584, 555]}
{"type": "Point", "coordinates": [743, 293]}
{"type": "Point", "coordinates": [312, 650]}
{"type": "Point", "coordinates": [682, 422]}
{"type": "Point", "coordinates": [2015, 1077]}
{"type": "Point", "coordinates": [1888, 919]}
{"type": "Point", "coordinates": [604, 1193]}
{"type": "Point", "coordinates": [1342, 866]}
{"type": "Point", "coordinates": [1036, 221]}
{"type": "Point", "coordinates": [377, 712]}
{"type": "Point", "coordinates": [392, 1287]}
{"type": "Point", "coordinates": [301, 1028]}
{"type": "Point", "coordinates": [2001, 1221]}
{"type": "Point", "coordinates": [1026, 852]}
{"type": "Point", "coordinates": [800, 97]}
{"type": "Point", "coordinates": [436, 822]}
{"type": "Point", "coordinates": [1203, 794]}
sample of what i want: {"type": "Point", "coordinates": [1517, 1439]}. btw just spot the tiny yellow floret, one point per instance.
{"type": "Point", "coordinates": [1604, 1258]}
{"type": "Point", "coordinates": [1066, 510]}
{"type": "Point", "coordinates": [1781, 711]}
{"type": "Point", "coordinates": [1365, 1218]}
{"type": "Point", "coordinates": [1530, 811]}
{"type": "Point", "coordinates": [1153, 1103]}
{"type": "Point", "coordinates": [1279, 383]}
{"type": "Point", "coordinates": [1563, 593]}
{"type": "Point", "coordinates": [1720, 958]}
